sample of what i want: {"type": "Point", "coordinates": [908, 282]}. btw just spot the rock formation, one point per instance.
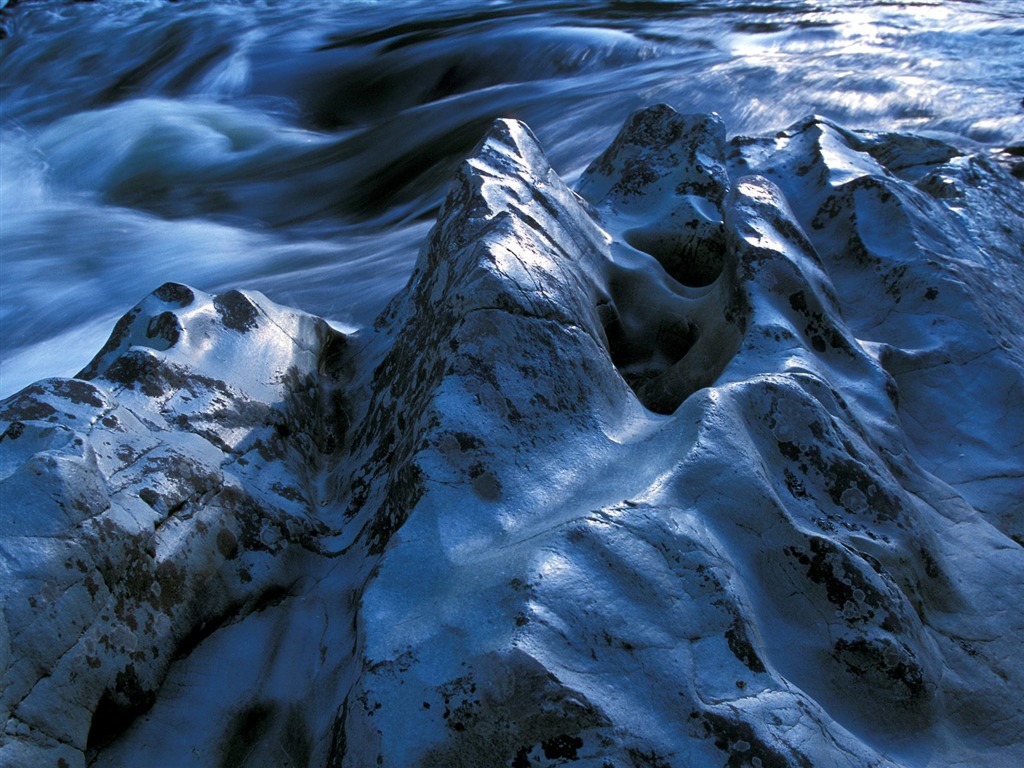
{"type": "Point", "coordinates": [715, 460]}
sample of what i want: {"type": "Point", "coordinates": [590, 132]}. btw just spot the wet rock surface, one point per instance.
{"type": "Point", "coordinates": [713, 460]}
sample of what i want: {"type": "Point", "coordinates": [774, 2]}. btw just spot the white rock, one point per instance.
{"type": "Point", "coordinates": [714, 460]}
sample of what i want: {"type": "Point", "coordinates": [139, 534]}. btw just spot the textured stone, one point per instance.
{"type": "Point", "coordinates": [714, 460]}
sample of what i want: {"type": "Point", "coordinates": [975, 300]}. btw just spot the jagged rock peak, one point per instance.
{"type": "Point", "coordinates": [712, 461]}
{"type": "Point", "coordinates": [659, 152]}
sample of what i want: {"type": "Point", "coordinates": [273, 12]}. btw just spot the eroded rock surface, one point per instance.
{"type": "Point", "coordinates": [712, 461]}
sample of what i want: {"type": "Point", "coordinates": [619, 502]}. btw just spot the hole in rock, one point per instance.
{"type": "Point", "coordinates": [643, 352]}
{"type": "Point", "coordinates": [693, 255]}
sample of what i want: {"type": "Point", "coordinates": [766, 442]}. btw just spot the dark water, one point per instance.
{"type": "Point", "coordinates": [300, 148]}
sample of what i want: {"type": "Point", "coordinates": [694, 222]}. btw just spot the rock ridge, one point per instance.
{"type": "Point", "coordinates": [713, 460]}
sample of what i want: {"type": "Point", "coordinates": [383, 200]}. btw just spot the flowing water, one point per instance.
{"type": "Point", "coordinates": [301, 148]}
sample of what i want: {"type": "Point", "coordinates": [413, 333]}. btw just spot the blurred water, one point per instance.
{"type": "Point", "coordinates": [300, 148]}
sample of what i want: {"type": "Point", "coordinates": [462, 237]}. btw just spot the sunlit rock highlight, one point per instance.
{"type": "Point", "coordinates": [712, 461]}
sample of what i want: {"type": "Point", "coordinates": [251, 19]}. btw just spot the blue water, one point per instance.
{"type": "Point", "coordinates": [300, 148]}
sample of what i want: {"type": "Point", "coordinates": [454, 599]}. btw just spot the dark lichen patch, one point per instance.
{"type": "Point", "coordinates": [14, 430]}
{"type": "Point", "coordinates": [562, 747]}
{"type": "Point", "coordinates": [339, 739]}
{"type": "Point", "coordinates": [289, 492]}
{"type": "Point", "coordinates": [146, 371]}
{"type": "Point", "coordinates": [846, 481]}
{"type": "Point", "coordinates": [461, 704]}
{"type": "Point", "coordinates": [175, 293]}
{"type": "Point", "coordinates": [404, 492]}
{"type": "Point", "coordinates": [852, 488]}
{"type": "Point", "coordinates": [77, 392]}
{"type": "Point", "coordinates": [122, 330]}
{"type": "Point", "coordinates": [848, 588]}
{"type": "Point", "coordinates": [314, 422]}
{"type": "Point", "coordinates": [164, 326]}
{"type": "Point", "coordinates": [237, 311]}
{"type": "Point", "coordinates": [789, 449]}
{"type": "Point", "coordinates": [523, 716]}
{"type": "Point", "coordinates": [880, 662]}
{"type": "Point", "coordinates": [173, 582]}
{"type": "Point", "coordinates": [151, 497]}
{"type": "Point", "coordinates": [635, 177]}
{"type": "Point", "coordinates": [657, 144]}
{"type": "Point", "coordinates": [931, 565]}
{"type": "Point", "coordinates": [398, 665]}
{"type": "Point", "coordinates": [739, 643]}
{"type": "Point", "coordinates": [829, 210]}
{"type": "Point", "coordinates": [894, 283]}
{"type": "Point", "coordinates": [818, 329]}
{"type": "Point", "coordinates": [647, 758]}
{"type": "Point", "coordinates": [468, 442]}
{"type": "Point", "coordinates": [794, 485]}
{"type": "Point", "coordinates": [27, 405]}
{"type": "Point", "coordinates": [745, 747]}
{"type": "Point", "coordinates": [391, 432]}
{"type": "Point", "coordinates": [136, 368]}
